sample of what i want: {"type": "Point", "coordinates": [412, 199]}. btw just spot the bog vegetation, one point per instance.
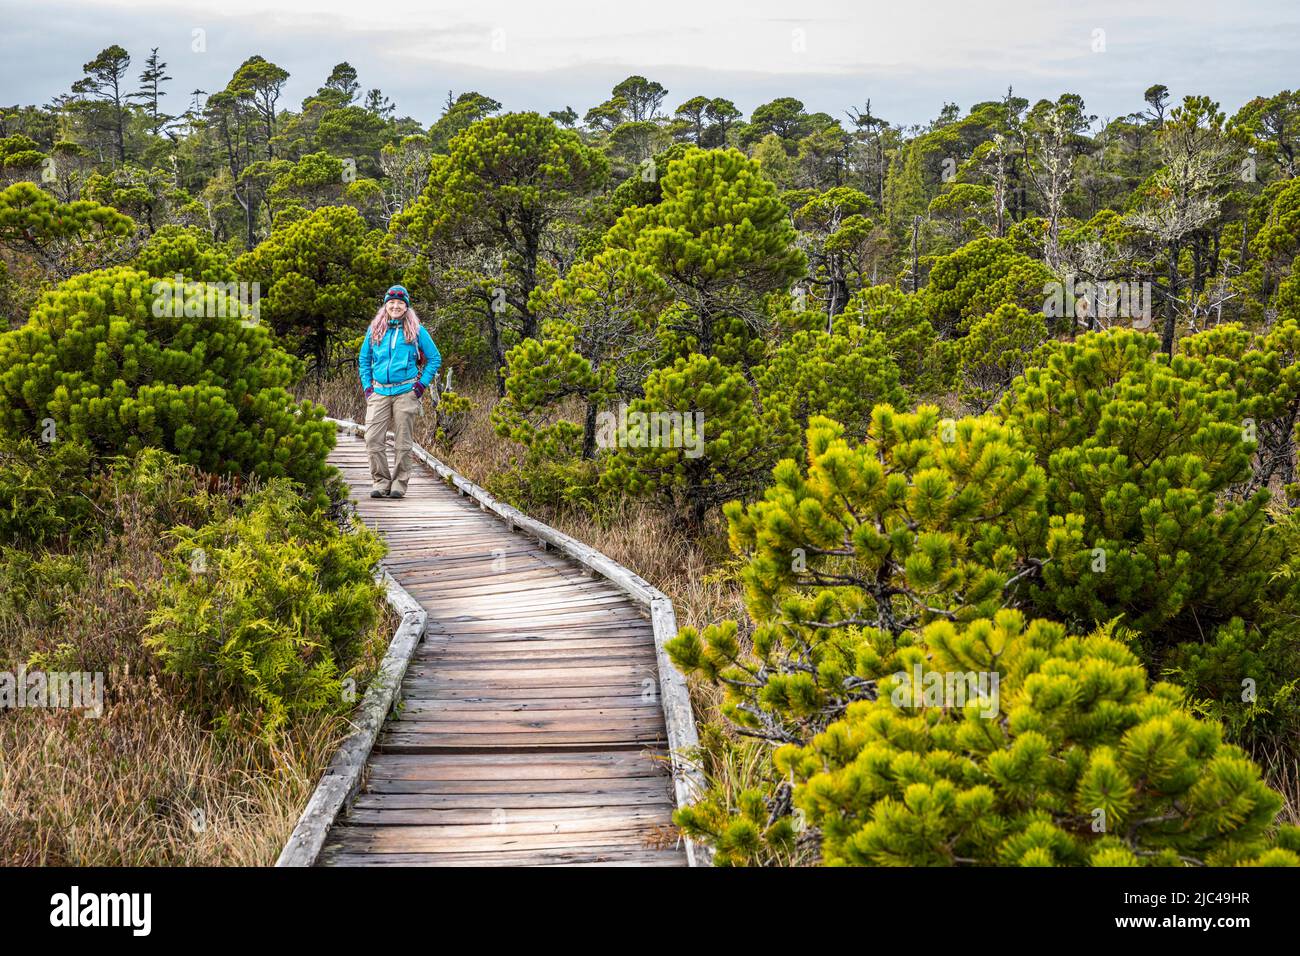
{"type": "Point", "coordinates": [1011, 396]}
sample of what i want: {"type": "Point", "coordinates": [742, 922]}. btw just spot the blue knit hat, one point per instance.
{"type": "Point", "coordinates": [398, 292]}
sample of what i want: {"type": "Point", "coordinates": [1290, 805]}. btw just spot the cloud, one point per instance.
{"type": "Point", "coordinates": [908, 58]}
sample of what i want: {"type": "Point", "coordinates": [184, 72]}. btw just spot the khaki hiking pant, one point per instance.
{"type": "Point", "coordinates": [398, 413]}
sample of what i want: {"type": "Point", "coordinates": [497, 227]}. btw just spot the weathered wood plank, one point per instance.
{"type": "Point", "coordinates": [399, 742]}
{"type": "Point", "coordinates": [424, 690]}
{"type": "Point", "coordinates": [516, 766]}
{"type": "Point", "coordinates": [505, 609]}
{"type": "Point", "coordinates": [343, 776]}
{"type": "Point", "coordinates": [394, 785]}
{"type": "Point", "coordinates": [508, 821]}
{"type": "Point", "coordinates": [585, 856]}
{"type": "Point", "coordinates": [636, 660]}
{"type": "Point", "coordinates": [432, 740]}
{"type": "Point", "coordinates": [527, 705]}
{"type": "Point", "coordinates": [500, 722]}
{"type": "Point", "coordinates": [538, 836]}
{"type": "Point", "coordinates": [532, 726]}
{"type": "Point", "coordinates": [527, 646]}
{"type": "Point", "coordinates": [661, 797]}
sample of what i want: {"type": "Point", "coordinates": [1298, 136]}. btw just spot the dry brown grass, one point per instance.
{"type": "Point", "coordinates": [145, 783]}
{"type": "Point", "coordinates": [1282, 771]}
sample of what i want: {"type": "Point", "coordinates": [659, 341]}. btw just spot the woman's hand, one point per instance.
{"type": "Point", "coordinates": [370, 391]}
{"type": "Point", "coordinates": [419, 390]}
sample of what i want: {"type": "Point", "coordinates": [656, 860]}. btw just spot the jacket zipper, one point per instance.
{"type": "Point", "coordinates": [392, 349]}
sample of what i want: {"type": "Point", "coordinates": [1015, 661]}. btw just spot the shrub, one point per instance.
{"type": "Point", "coordinates": [187, 251]}
{"type": "Point", "coordinates": [913, 343]}
{"type": "Point", "coordinates": [900, 558]}
{"type": "Point", "coordinates": [977, 278]}
{"type": "Point", "coordinates": [320, 277]}
{"type": "Point", "coordinates": [1140, 454]}
{"type": "Point", "coordinates": [995, 351]}
{"type": "Point", "coordinates": [97, 362]}
{"type": "Point", "coordinates": [36, 588]}
{"type": "Point", "coordinates": [841, 375]}
{"type": "Point", "coordinates": [926, 520]}
{"type": "Point", "coordinates": [43, 498]}
{"type": "Point", "coordinates": [1263, 373]}
{"type": "Point", "coordinates": [541, 375]}
{"type": "Point", "coordinates": [595, 344]}
{"type": "Point", "coordinates": [1085, 764]}
{"type": "Point", "coordinates": [1246, 672]}
{"type": "Point", "coordinates": [721, 239]}
{"type": "Point", "coordinates": [264, 610]}
{"type": "Point", "coordinates": [63, 238]}
{"type": "Point", "coordinates": [451, 418]}
{"type": "Point", "coordinates": [703, 438]}
{"type": "Point", "coordinates": [547, 486]}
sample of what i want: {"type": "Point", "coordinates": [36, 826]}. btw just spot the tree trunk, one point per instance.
{"type": "Point", "coordinates": [495, 330]}
{"type": "Point", "coordinates": [248, 221]}
{"type": "Point", "coordinates": [839, 296]}
{"type": "Point", "coordinates": [699, 509]}
{"type": "Point", "coordinates": [589, 433]}
{"type": "Point", "coordinates": [531, 242]}
{"type": "Point", "coordinates": [120, 115]}
{"type": "Point", "coordinates": [1171, 307]}
{"type": "Point", "coordinates": [916, 262]}
{"type": "Point", "coordinates": [706, 330]}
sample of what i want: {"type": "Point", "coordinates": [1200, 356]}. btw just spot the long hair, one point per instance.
{"type": "Point", "coordinates": [410, 325]}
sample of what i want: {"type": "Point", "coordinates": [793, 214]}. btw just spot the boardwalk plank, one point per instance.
{"type": "Point", "coordinates": [529, 730]}
{"type": "Point", "coordinates": [631, 834]}
{"type": "Point", "coordinates": [530, 800]}
{"type": "Point", "coordinates": [500, 788]}
{"type": "Point", "coordinates": [585, 856]}
{"type": "Point", "coordinates": [502, 818]}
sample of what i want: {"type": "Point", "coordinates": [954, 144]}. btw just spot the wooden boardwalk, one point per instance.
{"type": "Point", "coordinates": [530, 729]}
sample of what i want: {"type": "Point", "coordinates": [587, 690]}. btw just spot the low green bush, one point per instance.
{"type": "Point", "coordinates": [1072, 760]}
{"type": "Point", "coordinates": [899, 557]}
{"type": "Point", "coordinates": [552, 486]}
{"type": "Point", "coordinates": [97, 364]}
{"type": "Point", "coordinates": [265, 612]}
{"type": "Point", "coordinates": [44, 488]}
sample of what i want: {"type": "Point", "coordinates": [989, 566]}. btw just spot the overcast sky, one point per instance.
{"type": "Point", "coordinates": [907, 56]}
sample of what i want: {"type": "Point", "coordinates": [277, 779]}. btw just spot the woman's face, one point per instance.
{"type": "Point", "coordinates": [395, 308]}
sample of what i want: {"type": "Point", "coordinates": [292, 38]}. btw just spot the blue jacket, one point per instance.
{"type": "Point", "coordinates": [393, 360]}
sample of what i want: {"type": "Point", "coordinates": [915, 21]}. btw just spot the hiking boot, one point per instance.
{"type": "Point", "coordinates": [377, 493]}
{"type": "Point", "coordinates": [396, 493]}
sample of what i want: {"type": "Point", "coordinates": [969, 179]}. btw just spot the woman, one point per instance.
{"type": "Point", "coordinates": [390, 356]}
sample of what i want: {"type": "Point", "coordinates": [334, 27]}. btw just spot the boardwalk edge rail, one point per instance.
{"type": "Point", "coordinates": [679, 720]}
{"type": "Point", "coordinates": [342, 778]}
